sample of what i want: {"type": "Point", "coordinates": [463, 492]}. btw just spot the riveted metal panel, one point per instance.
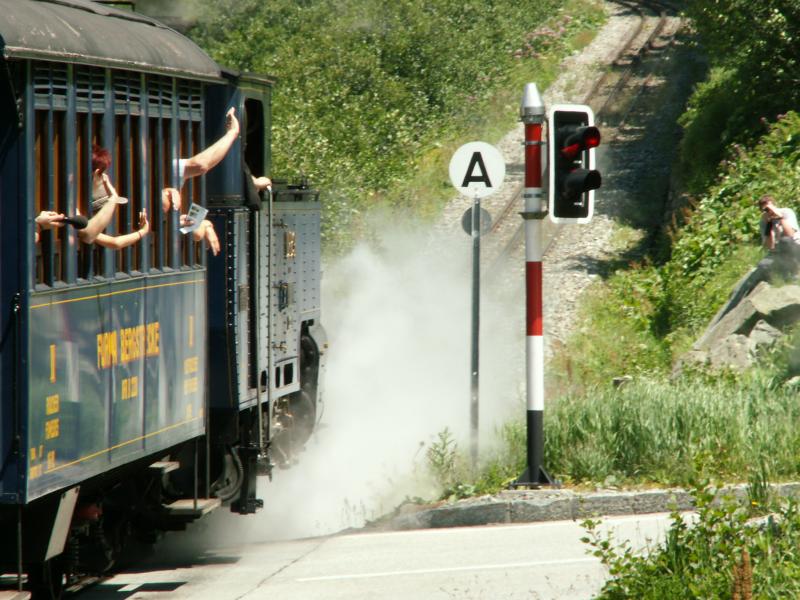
{"type": "Point", "coordinates": [293, 295]}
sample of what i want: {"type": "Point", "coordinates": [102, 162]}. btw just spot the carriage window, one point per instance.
{"type": "Point", "coordinates": [142, 122]}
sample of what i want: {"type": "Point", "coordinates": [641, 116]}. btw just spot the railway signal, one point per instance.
{"type": "Point", "coordinates": [572, 139]}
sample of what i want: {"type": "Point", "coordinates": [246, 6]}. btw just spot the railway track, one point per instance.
{"type": "Point", "coordinates": [604, 97]}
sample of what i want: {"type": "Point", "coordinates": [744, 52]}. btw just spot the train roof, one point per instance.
{"type": "Point", "coordinates": [84, 32]}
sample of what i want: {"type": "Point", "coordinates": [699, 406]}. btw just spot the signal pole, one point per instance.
{"type": "Point", "coordinates": [532, 114]}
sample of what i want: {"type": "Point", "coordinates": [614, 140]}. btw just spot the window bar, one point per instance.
{"type": "Point", "coordinates": [108, 142]}
{"type": "Point", "coordinates": [160, 178]}
{"type": "Point", "coordinates": [189, 242]}
{"type": "Point", "coordinates": [130, 218]}
{"type": "Point", "coordinates": [69, 236]}
{"type": "Point", "coordinates": [30, 170]}
{"type": "Point", "coordinates": [202, 181]}
{"type": "Point", "coordinates": [50, 245]}
{"type": "Point", "coordinates": [87, 175]}
{"type": "Point", "coordinates": [174, 255]}
{"type": "Point", "coordinates": [144, 172]}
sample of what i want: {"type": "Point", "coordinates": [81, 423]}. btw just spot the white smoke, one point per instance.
{"type": "Point", "coordinates": [398, 319]}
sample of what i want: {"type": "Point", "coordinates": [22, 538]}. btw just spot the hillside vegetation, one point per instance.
{"type": "Point", "coordinates": [742, 140]}
{"type": "Point", "coordinates": [373, 97]}
{"type": "Point", "coordinates": [739, 144]}
{"type": "Point", "coordinates": [659, 429]}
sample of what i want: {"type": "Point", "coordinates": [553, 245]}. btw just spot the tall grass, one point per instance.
{"type": "Point", "coordinates": [656, 431]}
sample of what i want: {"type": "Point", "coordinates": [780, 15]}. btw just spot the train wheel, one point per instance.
{"type": "Point", "coordinates": [309, 366]}
{"type": "Point", "coordinates": [46, 579]}
{"type": "Point", "coordinates": [296, 417]}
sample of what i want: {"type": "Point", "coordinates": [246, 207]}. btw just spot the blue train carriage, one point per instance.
{"type": "Point", "coordinates": [140, 387]}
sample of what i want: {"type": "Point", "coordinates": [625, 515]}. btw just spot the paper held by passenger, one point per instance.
{"type": "Point", "coordinates": [193, 218]}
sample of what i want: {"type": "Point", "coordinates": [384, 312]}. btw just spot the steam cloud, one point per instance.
{"type": "Point", "coordinates": [398, 321]}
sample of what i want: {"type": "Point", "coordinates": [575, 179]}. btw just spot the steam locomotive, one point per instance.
{"type": "Point", "coordinates": [140, 388]}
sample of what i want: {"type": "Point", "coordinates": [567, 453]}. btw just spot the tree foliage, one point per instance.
{"type": "Point", "coordinates": [365, 87]}
{"type": "Point", "coordinates": [755, 45]}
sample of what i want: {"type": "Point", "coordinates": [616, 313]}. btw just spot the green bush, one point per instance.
{"type": "Point", "coordinates": [700, 557]}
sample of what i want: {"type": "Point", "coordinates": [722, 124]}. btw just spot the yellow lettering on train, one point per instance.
{"type": "Point", "coordinates": [51, 459]}
{"type": "Point", "coordinates": [36, 471]}
{"type": "Point", "coordinates": [131, 343]}
{"type": "Point", "coordinates": [153, 340]}
{"type": "Point", "coordinates": [52, 363]}
{"type": "Point", "coordinates": [51, 429]}
{"type": "Point", "coordinates": [106, 349]}
{"type": "Point", "coordinates": [190, 365]}
{"type": "Point", "coordinates": [130, 387]}
{"type": "Point", "coordinates": [190, 385]}
{"type": "Point", "coordinates": [33, 453]}
{"type": "Point", "coordinates": [52, 405]}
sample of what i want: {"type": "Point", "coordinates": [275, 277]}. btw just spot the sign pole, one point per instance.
{"type": "Point", "coordinates": [477, 169]}
{"type": "Point", "coordinates": [533, 115]}
{"type": "Point", "coordinates": [476, 320]}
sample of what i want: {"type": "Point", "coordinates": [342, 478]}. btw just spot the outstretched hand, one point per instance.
{"type": "Point", "coordinates": [144, 224]}
{"type": "Point", "coordinates": [262, 183]}
{"type": "Point", "coordinates": [170, 198]}
{"type": "Point", "coordinates": [231, 122]}
{"type": "Point", "coordinates": [211, 238]}
{"type": "Point", "coordinates": [49, 218]}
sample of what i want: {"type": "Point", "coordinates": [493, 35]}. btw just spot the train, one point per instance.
{"type": "Point", "coordinates": [141, 388]}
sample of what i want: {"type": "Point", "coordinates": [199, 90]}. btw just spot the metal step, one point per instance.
{"type": "Point", "coordinates": [186, 507]}
{"type": "Point", "coordinates": [165, 466]}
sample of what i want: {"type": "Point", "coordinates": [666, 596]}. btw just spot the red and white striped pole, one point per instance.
{"type": "Point", "coordinates": [532, 114]}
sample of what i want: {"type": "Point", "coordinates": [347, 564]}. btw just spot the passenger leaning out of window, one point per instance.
{"type": "Point", "coordinates": [104, 200]}
{"type": "Point", "coordinates": [204, 231]}
{"type": "Point", "coordinates": [104, 197]}
{"type": "Point", "coordinates": [205, 160]}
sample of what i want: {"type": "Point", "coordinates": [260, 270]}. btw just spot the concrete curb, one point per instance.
{"type": "Point", "coordinates": [527, 506]}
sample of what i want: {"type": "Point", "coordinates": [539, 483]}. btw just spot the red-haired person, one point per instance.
{"type": "Point", "coordinates": [104, 196]}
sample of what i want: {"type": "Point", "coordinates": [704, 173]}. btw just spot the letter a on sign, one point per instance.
{"type": "Point", "coordinates": [477, 169]}
{"type": "Point", "coordinates": [476, 162]}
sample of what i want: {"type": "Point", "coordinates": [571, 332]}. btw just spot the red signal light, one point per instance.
{"type": "Point", "coordinates": [581, 139]}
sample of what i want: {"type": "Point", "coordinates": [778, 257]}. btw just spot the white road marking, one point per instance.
{"type": "Point", "coordinates": [540, 563]}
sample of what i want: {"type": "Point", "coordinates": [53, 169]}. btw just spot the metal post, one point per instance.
{"type": "Point", "coordinates": [532, 114]}
{"type": "Point", "coordinates": [19, 547]}
{"type": "Point", "coordinates": [476, 317]}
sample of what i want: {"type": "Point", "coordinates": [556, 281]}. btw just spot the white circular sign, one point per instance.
{"type": "Point", "coordinates": [477, 169]}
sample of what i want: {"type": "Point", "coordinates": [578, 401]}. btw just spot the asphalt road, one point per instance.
{"type": "Point", "coordinates": [531, 561]}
